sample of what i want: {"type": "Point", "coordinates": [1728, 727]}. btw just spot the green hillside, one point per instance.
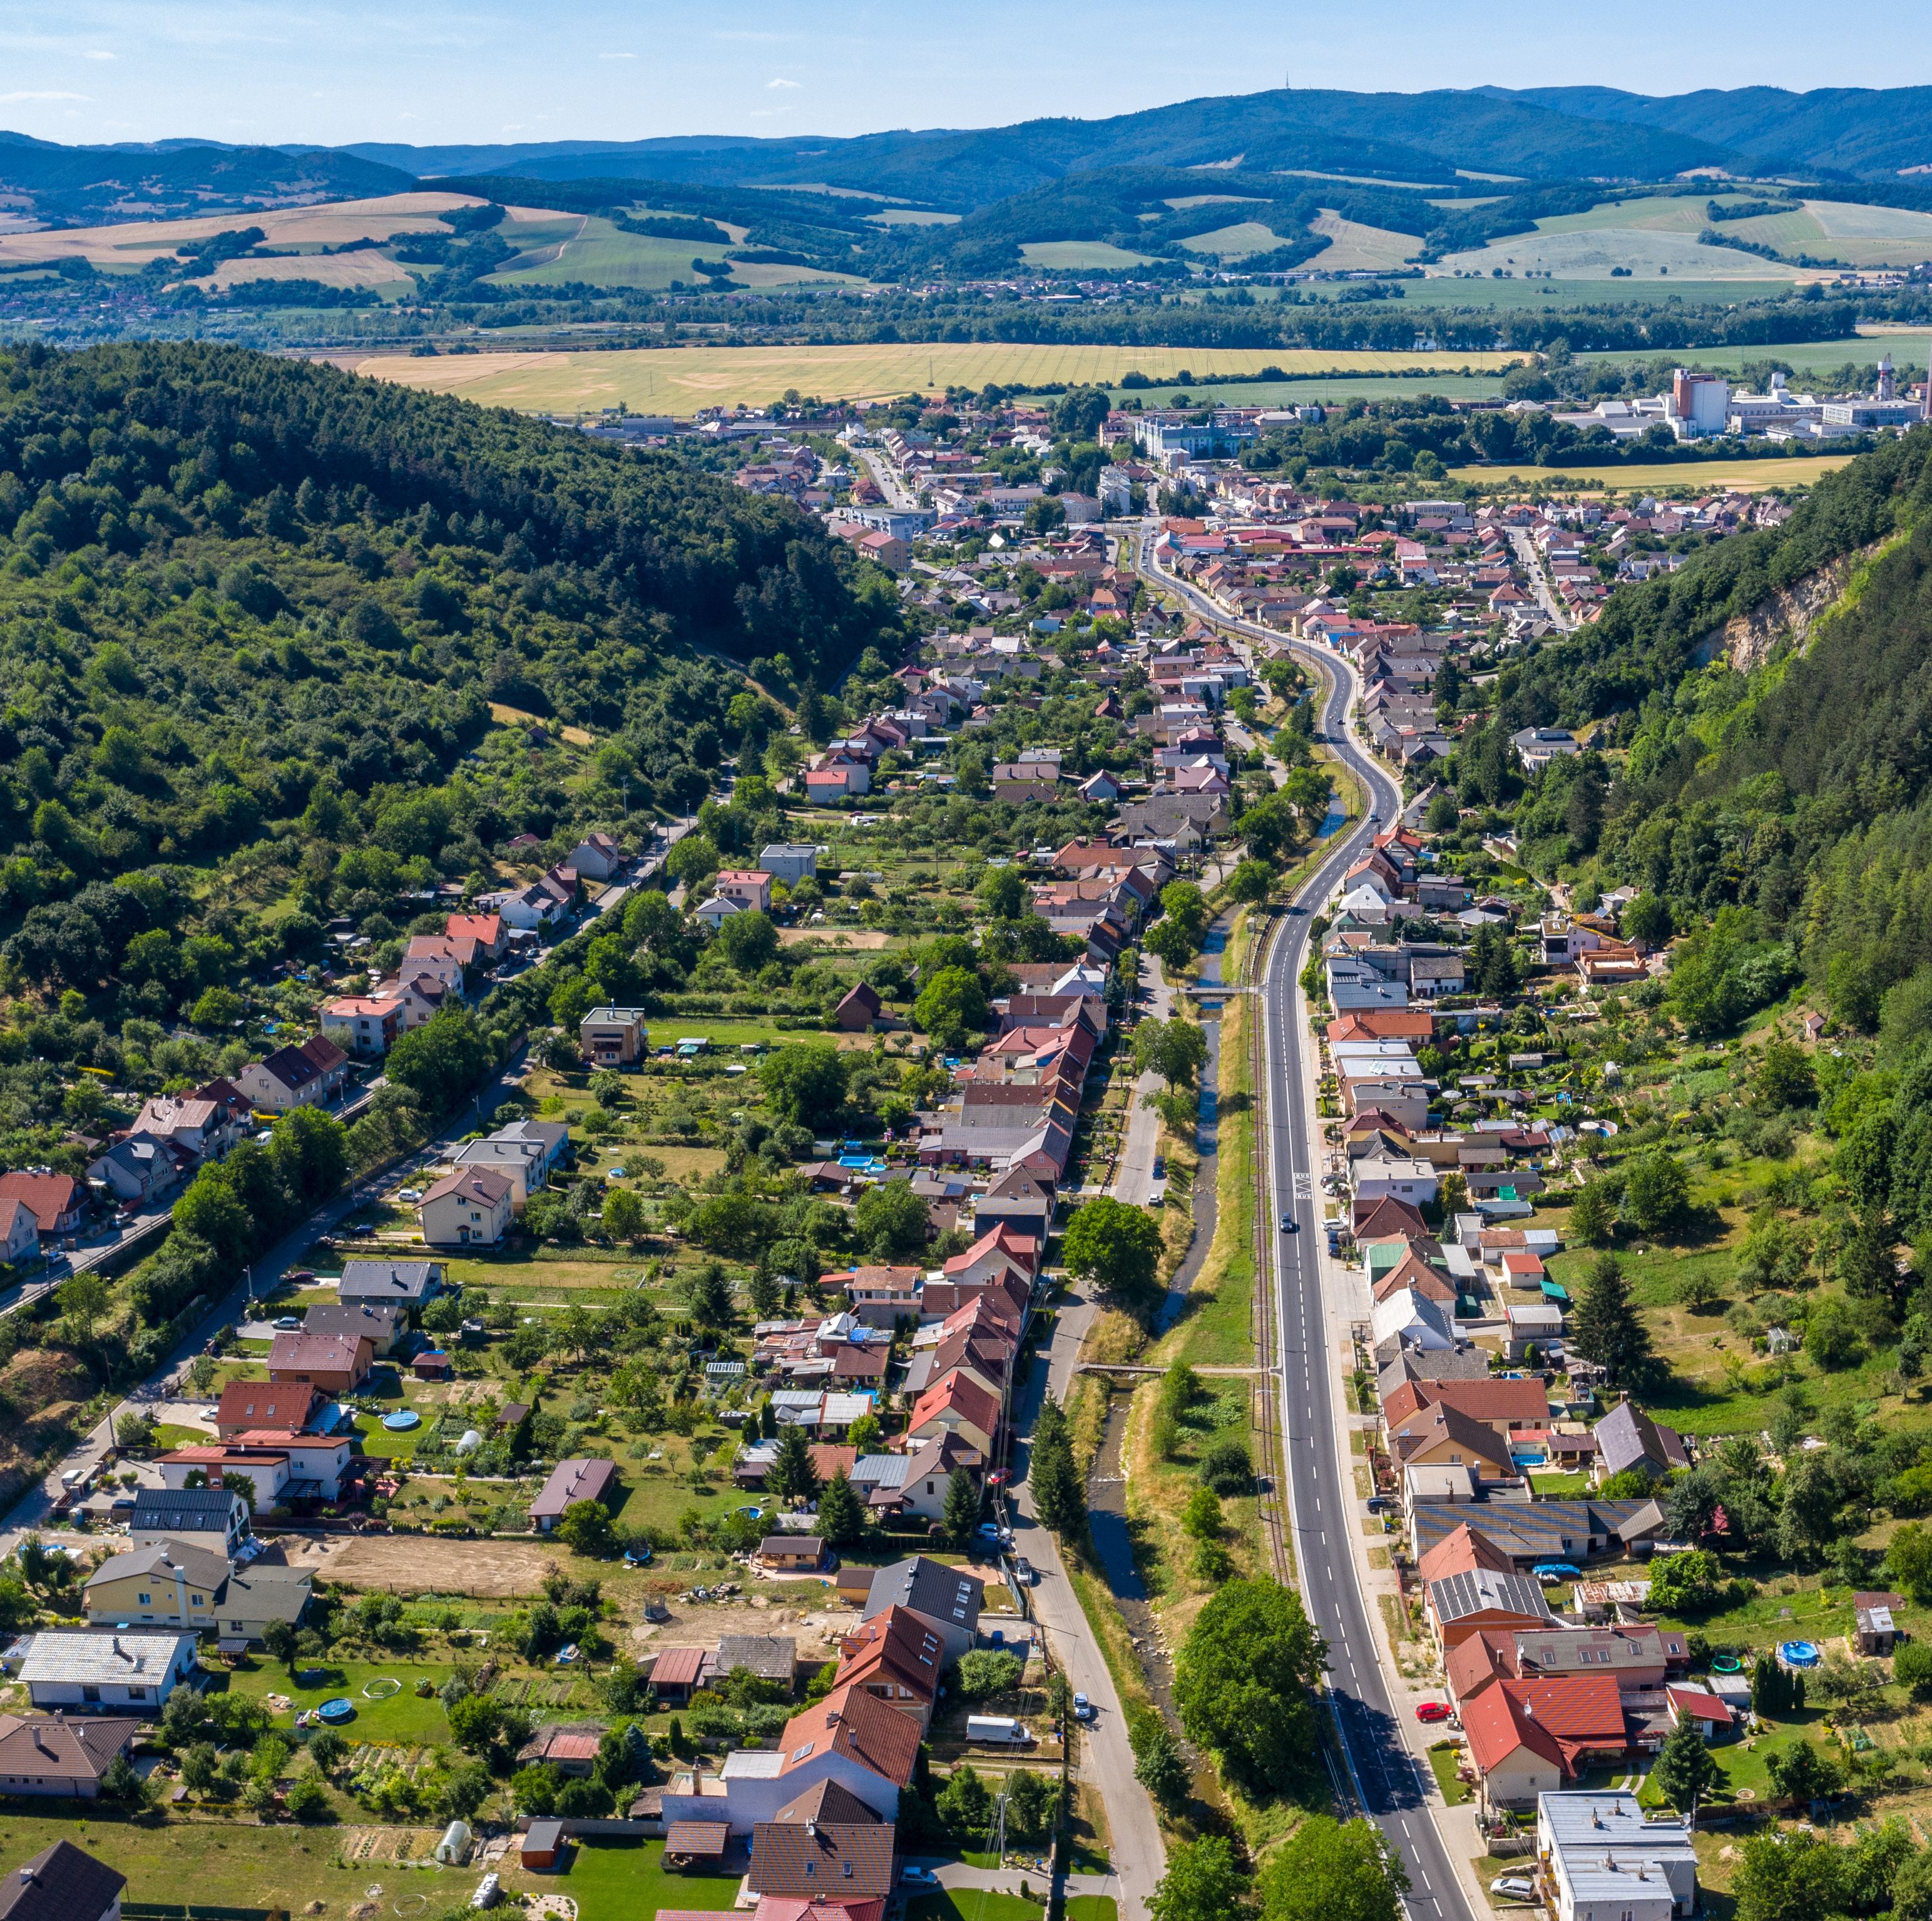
{"type": "Point", "coordinates": [254, 614]}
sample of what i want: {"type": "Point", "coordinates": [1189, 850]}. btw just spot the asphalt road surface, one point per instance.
{"type": "Point", "coordinates": [1322, 1500]}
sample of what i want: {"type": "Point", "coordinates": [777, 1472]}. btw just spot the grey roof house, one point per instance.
{"type": "Point", "coordinates": [409, 1283]}
{"type": "Point", "coordinates": [945, 1599]}
{"type": "Point", "coordinates": [213, 1518]}
{"type": "Point", "coordinates": [1627, 1438]}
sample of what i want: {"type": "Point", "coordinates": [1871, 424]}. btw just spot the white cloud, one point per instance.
{"type": "Point", "coordinates": [616, 56]}
{"type": "Point", "coordinates": [96, 53]}
{"type": "Point", "coordinates": [41, 93]}
{"type": "Point", "coordinates": [772, 86]}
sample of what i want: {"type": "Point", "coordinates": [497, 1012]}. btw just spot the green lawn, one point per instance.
{"type": "Point", "coordinates": [976, 1905]}
{"type": "Point", "coordinates": [1092, 1907]}
{"type": "Point", "coordinates": [1442, 1759]}
{"type": "Point", "coordinates": [625, 1881]}
{"type": "Point", "coordinates": [404, 1718]}
{"type": "Point", "coordinates": [228, 1862]}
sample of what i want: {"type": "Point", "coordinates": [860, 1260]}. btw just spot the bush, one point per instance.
{"type": "Point", "coordinates": [1912, 1668]}
{"type": "Point", "coordinates": [1226, 1468]}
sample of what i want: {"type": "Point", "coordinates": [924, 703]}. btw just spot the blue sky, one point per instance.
{"type": "Point", "coordinates": [342, 70]}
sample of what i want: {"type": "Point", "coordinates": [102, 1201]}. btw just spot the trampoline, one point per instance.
{"type": "Point", "coordinates": [1726, 1663]}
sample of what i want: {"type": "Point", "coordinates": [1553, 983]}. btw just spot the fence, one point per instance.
{"type": "Point", "coordinates": [181, 1910]}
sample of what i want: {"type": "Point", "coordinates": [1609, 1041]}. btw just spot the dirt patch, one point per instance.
{"type": "Point", "coordinates": [700, 1624]}
{"type": "Point", "coordinates": [855, 941]}
{"type": "Point", "coordinates": [425, 1564]}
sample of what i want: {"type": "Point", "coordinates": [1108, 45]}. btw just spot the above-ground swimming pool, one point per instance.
{"type": "Point", "coordinates": [402, 1421]}
{"type": "Point", "coordinates": [1799, 1654]}
{"type": "Point", "coordinates": [341, 1709]}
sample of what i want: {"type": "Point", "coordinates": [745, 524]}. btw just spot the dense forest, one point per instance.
{"type": "Point", "coordinates": [254, 614]}
{"type": "Point", "coordinates": [1776, 809]}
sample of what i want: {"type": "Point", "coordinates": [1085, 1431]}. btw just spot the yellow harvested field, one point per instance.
{"type": "Point", "coordinates": [1353, 248]}
{"type": "Point", "coordinates": [680, 380]}
{"type": "Point", "coordinates": [1680, 480]}
{"type": "Point", "coordinates": [132, 242]}
{"type": "Point", "coordinates": [369, 269]}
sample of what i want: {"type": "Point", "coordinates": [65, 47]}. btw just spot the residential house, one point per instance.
{"type": "Point", "coordinates": [412, 1284]}
{"type": "Point", "coordinates": [248, 1404]}
{"type": "Point", "coordinates": [62, 1883]}
{"type": "Point", "coordinates": [487, 930]}
{"type": "Point", "coordinates": [751, 888]}
{"type": "Point", "coordinates": [945, 1600]}
{"type": "Point", "coordinates": [310, 1075]}
{"type": "Point", "coordinates": [1628, 1438]}
{"type": "Point", "coordinates": [138, 1170]}
{"type": "Point", "coordinates": [59, 1760]}
{"type": "Point", "coordinates": [216, 1518]}
{"type": "Point", "coordinates": [95, 1673]}
{"type": "Point", "coordinates": [471, 1207]}
{"type": "Point", "coordinates": [790, 862]}
{"type": "Point", "coordinates": [58, 1202]}
{"type": "Point", "coordinates": [614, 1037]}
{"type": "Point", "coordinates": [337, 1363]}
{"type": "Point", "coordinates": [1463, 1605]}
{"type": "Point", "coordinates": [380, 1324]}
{"type": "Point", "coordinates": [1606, 1858]}
{"type": "Point", "coordinates": [364, 1025]}
{"type": "Point", "coordinates": [956, 1405]}
{"type": "Point", "coordinates": [595, 857]}
{"type": "Point", "coordinates": [866, 1747]}
{"type": "Point", "coordinates": [897, 1658]}
{"type": "Point", "coordinates": [859, 1007]}
{"type": "Point", "coordinates": [173, 1584]}
{"type": "Point", "coordinates": [200, 1123]}
{"type": "Point", "coordinates": [19, 1233]}
{"type": "Point", "coordinates": [1528, 1738]}
{"type": "Point", "coordinates": [826, 1848]}
{"type": "Point", "coordinates": [570, 1481]}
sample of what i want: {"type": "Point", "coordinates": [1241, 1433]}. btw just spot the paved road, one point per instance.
{"type": "Point", "coordinates": [1322, 1500]}
{"type": "Point", "coordinates": [1133, 1174]}
{"type": "Point", "coordinates": [1103, 1756]}
{"type": "Point", "coordinates": [900, 498]}
{"type": "Point", "coordinates": [1530, 561]}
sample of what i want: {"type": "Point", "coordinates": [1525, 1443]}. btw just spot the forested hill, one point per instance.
{"type": "Point", "coordinates": [1800, 793]}
{"type": "Point", "coordinates": [253, 611]}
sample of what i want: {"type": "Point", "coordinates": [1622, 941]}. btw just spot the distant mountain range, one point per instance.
{"type": "Point", "coordinates": [1539, 134]}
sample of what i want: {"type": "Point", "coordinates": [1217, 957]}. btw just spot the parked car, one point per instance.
{"type": "Point", "coordinates": [914, 1876]}
{"type": "Point", "coordinates": [1513, 1887]}
{"type": "Point", "coordinates": [288, 1323]}
{"type": "Point", "coordinates": [1432, 1710]}
{"type": "Point", "coordinates": [409, 1194]}
{"type": "Point", "coordinates": [1024, 1568]}
{"type": "Point", "coordinates": [1377, 1502]}
{"type": "Point", "coordinates": [987, 1530]}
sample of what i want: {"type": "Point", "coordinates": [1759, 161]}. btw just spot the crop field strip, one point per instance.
{"type": "Point", "coordinates": [680, 380]}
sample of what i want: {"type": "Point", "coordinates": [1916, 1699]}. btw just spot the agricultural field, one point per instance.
{"type": "Point", "coordinates": [1808, 359]}
{"type": "Point", "coordinates": [1078, 254]}
{"type": "Point", "coordinates": [1859, 236]}
{"type": "Point", "coordinates": [371, 269]}
{"type": "Point", "coordinates": [1589, 253]}
{"type": "Point", "coordinates": [680, 380]}
{"type": "Point", "coordinates": [596, 251]}
{"type": "Point", "coordinates": [135, 242]}
{"type": "Point", "coordinates": [1693, 477]}
{"type": "Point", "coordinates": [1354, 248]}
{"type": "Point", "coordinates": [1235, 242]}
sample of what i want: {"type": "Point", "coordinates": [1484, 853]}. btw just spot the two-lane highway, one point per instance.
{"type": "Point", "coordinates": [1324, 1509]}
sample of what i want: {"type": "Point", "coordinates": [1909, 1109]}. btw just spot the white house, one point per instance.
{"type": "Point", "coordinates": [1414, 1320]}
{"type": "Point", "coordinates": [19, 1231]}
{"type": "Point", "coordinates": [470, 1208]}
{"type": "Point", "coordinates": [95, 1672]}
{"type": "Point", "coordinates": [1604, 1861]}
{"type": "Point", "coordinates": [790, 861]}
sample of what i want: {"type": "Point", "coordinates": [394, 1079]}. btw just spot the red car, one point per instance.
{"type": "Point", "coordinates": [1432, 1710]}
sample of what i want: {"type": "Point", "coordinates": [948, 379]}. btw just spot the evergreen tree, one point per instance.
{"type": "Point", "coordinates": [841, 1516]}
{"type": "Point", "coordinates": [962, 1508]}
{"type": "Point", "coordinates": [1607, 1329]}
{"type": "Point", "coordinates": [1686, 1769]}
{"type": "Point", "coordinates": [1060, 1496]}
{"type": "Point", "coordinates": [791, 1476]}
